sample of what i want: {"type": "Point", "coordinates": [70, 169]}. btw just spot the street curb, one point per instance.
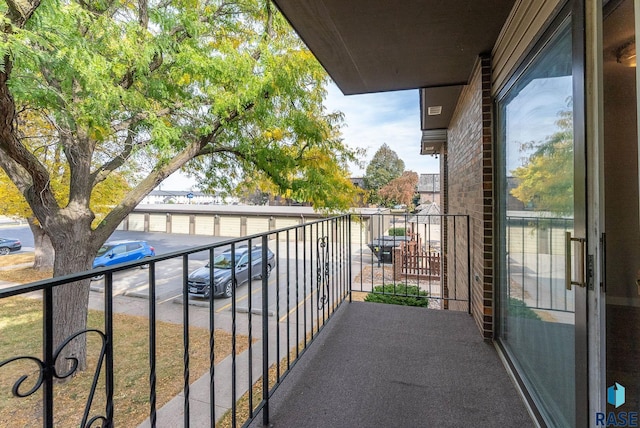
{"type": "Point", "coordinates": [200, 303]}
{"type": "Point", "coordinates": [255, 311]}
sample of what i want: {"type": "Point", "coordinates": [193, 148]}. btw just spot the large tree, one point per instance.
{"type": "Point", "coordinates": [222, 88]}
{"type": "Point", "coordinates": [37, 137]}
{"type": "Point", "coordinates": [384, 167]}
{"type": "Point", "coordinates": [400, 190]}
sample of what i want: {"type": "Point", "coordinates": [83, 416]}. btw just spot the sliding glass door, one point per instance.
{"type": "Point", "coordinates": [537, 299]}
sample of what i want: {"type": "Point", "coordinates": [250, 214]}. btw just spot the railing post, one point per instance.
{"type": "Point", "coordinates": [212, 338]}
{"type": "Point", "coordinates": [349, 257]}
{"type": "Point", "coordinates": [108, 329]}
{"type": "Point", "coordinates": [265, 333]}
{"type": "Point", "coordinates": [185, 333]}
{"type": "Point", "coordinates": [47, 319]}
{"type": "Point", "coordinates": [153, 417]}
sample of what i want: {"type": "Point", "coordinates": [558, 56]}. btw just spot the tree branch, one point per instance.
{"type": "Point", "coordinates": [116, 162]}
{"type": "Point", "coordinates": [143, 14]}
{"type": "Point", "coordinates": [126, 124]}
{"type": "Point", "coordinates": [133, 198]}
{"type": "Point", "coordinates": [20, 11]}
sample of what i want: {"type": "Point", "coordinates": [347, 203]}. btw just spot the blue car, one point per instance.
{"type": "Point", "coordinates": [116, 252]}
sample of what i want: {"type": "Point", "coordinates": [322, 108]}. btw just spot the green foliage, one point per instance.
{"type": "Point", "coordinates": [517, 308]}
{"type": "Point", "coordinates": [384, 167]}
{"type": "Point", "coordinates": [397, 231]}
{"type": "Point", "coordinates": [398, 294]}
{"type": "Point", "coordinates": [545, 181]}
{"type": "Point", "coordinates": [222, 90]}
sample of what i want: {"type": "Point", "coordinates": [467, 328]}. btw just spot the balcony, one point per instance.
{"type": "Point", "coordinates": [310, 357]}
{"type": "Point", "coordinates": [395, 366]}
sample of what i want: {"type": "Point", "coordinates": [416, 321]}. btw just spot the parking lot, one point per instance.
{"type": "Point", "coordinates": [292, 284]}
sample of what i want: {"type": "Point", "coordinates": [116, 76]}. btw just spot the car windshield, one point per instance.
{"type": "Point", "coordinates": [223, 261]}
{"type": "Point", "coordinates": [103, 250]}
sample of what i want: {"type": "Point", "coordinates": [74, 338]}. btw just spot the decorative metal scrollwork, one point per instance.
{"type": "Point", "coordinates": [16, 386]}
{"type": "Point", "coordinates": [43, 366]}
{"type": "Point", "coordinates": [322, 285]}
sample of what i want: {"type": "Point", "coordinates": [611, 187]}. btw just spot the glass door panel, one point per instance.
{"type": "Point", "coordinates": [537, 310]}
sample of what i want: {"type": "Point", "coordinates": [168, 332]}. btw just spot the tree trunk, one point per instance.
{"type": "Point", "coordinates": [71, 302]}
{"type": "Point", "coordinates": [74, 252]}
{"type": "Point", "coordinates": [44, 255]}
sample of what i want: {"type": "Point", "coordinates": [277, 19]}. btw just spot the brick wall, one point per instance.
{"type": "Point", "coordinates": [469, 185]}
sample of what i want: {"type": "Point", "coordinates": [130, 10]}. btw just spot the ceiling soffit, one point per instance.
{"type": "Point", "coordinates": [378, 45]}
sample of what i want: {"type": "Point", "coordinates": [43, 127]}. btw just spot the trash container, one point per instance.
{"type": "Point", "coordinates": [383, 246]}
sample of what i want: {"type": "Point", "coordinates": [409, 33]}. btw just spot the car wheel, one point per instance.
{"type": "Point", "coordinates": [4, 251]}
{"type": "Point", "coordinates": [228, 289]}
{"type": "Point", "coordinates": [268, 270]}
{"type": "Point", "coordinates": [145, 266]}
{"type": "Point", "coordinates": [97, 277]}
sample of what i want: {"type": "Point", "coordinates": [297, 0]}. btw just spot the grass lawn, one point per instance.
{"type": "Point", "coordinates": [21, 275]}
{"type": "Point", "coordinates": [15, 259]}
{"type": "Point", "coordinates": [21, 334]}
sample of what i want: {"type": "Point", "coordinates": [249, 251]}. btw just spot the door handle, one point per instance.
{"type": "Point", "coordinates": [581, 282]}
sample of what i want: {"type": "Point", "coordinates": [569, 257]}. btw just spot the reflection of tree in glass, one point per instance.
{"type": "Point", "coordinates": [223, 261]}
{"type": "Point", "coordinates": [546, 178]}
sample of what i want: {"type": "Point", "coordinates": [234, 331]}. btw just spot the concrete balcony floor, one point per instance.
{"type": "Point", "coordinates": [377, 365]}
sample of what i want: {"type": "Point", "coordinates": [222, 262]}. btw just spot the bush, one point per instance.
{"type": "Point", "coordinates": [517, 308]}
{"type": "Point", "coordinates": [397, 231]}
{"type": "Point", "coordinates": [398, 294]}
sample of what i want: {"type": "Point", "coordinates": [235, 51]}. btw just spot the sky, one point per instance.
{"type": "Point", "coordinates": [370, 121]}
{"type": "Point", "coordinates": [532, 116]}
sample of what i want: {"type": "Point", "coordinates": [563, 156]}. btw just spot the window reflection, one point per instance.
{"type": "Point", "coordinates": [537, 311]}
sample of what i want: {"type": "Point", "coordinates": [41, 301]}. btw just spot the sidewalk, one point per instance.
{"type": "Point", "coordinates": [172, 413]}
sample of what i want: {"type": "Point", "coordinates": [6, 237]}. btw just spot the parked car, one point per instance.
{"type": "Point", "coordinates": [9, 245]}
{"type": "Point", "coordinates": [116, 252]}
{"type": "Point", "coordinates": [223, 265]}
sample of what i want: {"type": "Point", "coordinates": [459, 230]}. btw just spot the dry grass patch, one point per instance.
{"type": "Point", "coordinates": [21, 275]}
{"type": "Point", "coordinates": [16, 259]}
{"type": "Point", "coordinates": [25, 275]}
{"type": "Point", "coordinates": [21, 334]}
{"type": "Point", "coordinates": [359, 296]}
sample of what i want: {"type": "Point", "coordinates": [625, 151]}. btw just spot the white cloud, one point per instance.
{"type": "Point", "coordinates": [388, 117]}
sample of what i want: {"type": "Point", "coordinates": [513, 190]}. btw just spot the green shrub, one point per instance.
{"type": "Point", "coordinates": [517, 308]}
{"type": "Point", "coordinates": [397, 231]}
{"type": "Point", "coordinates": [398, 294]}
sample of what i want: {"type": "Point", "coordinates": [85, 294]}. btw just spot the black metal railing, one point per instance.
{"type": "Point", "coordinates": [423, 256]}
{"type": "Point", "coordinates": [271, 322]}
{"type": "Point", "coordinates": [311, 262]}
